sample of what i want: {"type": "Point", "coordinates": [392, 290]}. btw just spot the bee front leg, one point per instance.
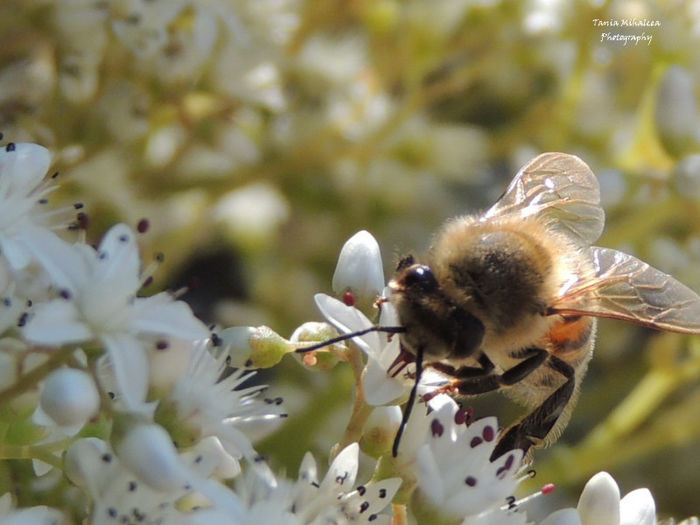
{"type": "Point", "coordinates": [464, 372]}
{"type": "Point", "coordinates": [469, 383]}
{"type": "Point", "coordinates": [460, 374]}
{"type": "Point", "coordinates": [535, 427]}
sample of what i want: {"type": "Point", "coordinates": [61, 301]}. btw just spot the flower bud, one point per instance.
{"type": "Point", "coordinates": [359, 268]}
{"type": "Point", "coordinates": [254, 346]}
{"type": "Point", "coordinates": [380, 430]}
{"type": "Point", "coordinates": [227, 467]}
{"type": "Point", "coordinates": [148, 452]}
{"type": "Point", "coordinates": [313, 332]}
{"type": "Point", "coordinates": [69, 397]}
{"type": "Point", "coordinates": [85, 461]}
{"type": "Point", "coordinates": [600, 501]}
{"type": "Point", "coordinates": [638, 506]}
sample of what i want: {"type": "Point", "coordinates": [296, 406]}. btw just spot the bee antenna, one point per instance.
{"type": "Point", "coordinates": [345, 337]}
{"type": "Point", "coordinates": [410, 402]}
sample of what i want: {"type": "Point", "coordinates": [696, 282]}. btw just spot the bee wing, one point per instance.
{"type": "Point", "coordinates": [560, 188]}
{"type": "Point", "coordinates": [629, 289]}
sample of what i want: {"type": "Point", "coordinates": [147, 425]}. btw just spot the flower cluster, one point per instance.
{"type": "Point", "coordinates": [256, 133]}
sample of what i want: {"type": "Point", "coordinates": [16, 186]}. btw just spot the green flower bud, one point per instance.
{"type": "Point", "coordinates": [255, 347]}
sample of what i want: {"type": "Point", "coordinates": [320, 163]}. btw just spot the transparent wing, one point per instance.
{"type": "Point", "coordinates": [562, 190]}
{"type": "Point", "coordinates": [629, 289]}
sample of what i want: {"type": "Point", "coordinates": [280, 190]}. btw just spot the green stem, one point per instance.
{"type": "Point", "coordinates": [40, 452]}
{"type": "Point", "coordinates": [360, 409]}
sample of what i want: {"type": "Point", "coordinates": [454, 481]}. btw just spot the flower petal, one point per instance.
{"type": "Point", "coordinates": [599, 503]}
{"type": "Point", "coordinates": [86, 467]}
{"type": "Point", "coordinates": [23, 168]}
{"type": "Point", "coordinates": [380, 388]}
{"type": "Point", "coordinates": [130, 364]}
{"type": "Point", "coordinates": [348, 319]}
{"type": "Point", "coordinates": [431, 480]}
{"type": "Point", "coordinates": [359, 267]}
{"type": "Point", "coordinates": [148, 451]}
{"type": "Point", "coordinates": [64, 263]}
{"type": "Point", "coordinates": [342, 472]}
{"type": "Point", "coordinates": [160, 314]}
{"type": "Point", "coordinates": [638, 508]}
{"type": "Point", "coordinates": [119, 259]}
{"type": "Point", "coordinates": [55, 323]}
{"type": "Point", "coordinates": [16, 253]}
{"type": "Point", "coordinates": [563, 517]}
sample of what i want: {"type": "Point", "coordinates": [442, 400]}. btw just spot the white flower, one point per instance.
{"type": "Point", "coordinates": [382, 385]}
{"type": "Point", "coordinates": [203, 404]}
{"type": "Point", "coordinates": [22, 198]}
{"type": "Point", "coordinates": [120, 496]}
{"type": "Point", "coordinates": [381, 349]}
{"type": "Point", "coordinates": [41, 515]}
{"type": "Point", "coordinates": [600, 504]}
{"type": "Point", "coordinates": [455, 475]}
{"type": "Point", "coordinates": [335, 499]}
{"type": "Point", "coordinates": [98, 301]}
{"type": "Point", "coordinates": [359, 269]}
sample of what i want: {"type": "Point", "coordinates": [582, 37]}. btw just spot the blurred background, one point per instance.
{"type": "Point", "coordinates": [258, 135]}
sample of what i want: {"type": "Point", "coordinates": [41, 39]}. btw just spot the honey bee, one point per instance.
{"type": "Point", "coordinates": [508, 299]}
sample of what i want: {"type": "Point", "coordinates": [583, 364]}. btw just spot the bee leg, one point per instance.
{"type": "Point", "coordinates": [464, 372]}
{"type": "Point", "coordinates": [469, 385]}
{"type": "Point", "coordinates": [535, 427]}
{"type": "Point", "coordinates": [409, 403]}
{"type": "Point", "coordinates": [459, 374]}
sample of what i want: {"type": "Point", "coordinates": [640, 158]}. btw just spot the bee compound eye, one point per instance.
{"type": "Point", "coordinates": [419, 276]}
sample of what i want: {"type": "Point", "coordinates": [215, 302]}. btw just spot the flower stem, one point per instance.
{"type": "Point", "coordinates": [39, 452]}
{"type": "Point", "coordinates": [400, 517]}
{"type": "Point", "coordinates": [360, 409]}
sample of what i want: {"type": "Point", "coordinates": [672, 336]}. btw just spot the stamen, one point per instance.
{"type": "Point", "coordinates": [349, 298]}
{"type": "Point", "coordinates": [544, 491]}
{"type": "Point", "coordinates": [147, 274]}
{"type": "Point", "coordinates": [143, 225]}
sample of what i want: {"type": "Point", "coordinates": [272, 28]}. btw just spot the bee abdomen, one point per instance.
{"type": "Point", "coordinates": [571, 334]}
